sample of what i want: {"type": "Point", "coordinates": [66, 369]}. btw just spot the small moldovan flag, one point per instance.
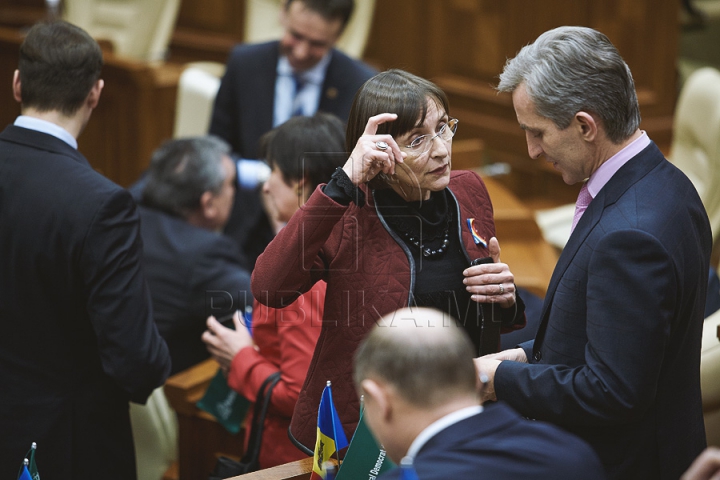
{"type": "Point", "coordinates": [364, 458]}
{"type": "Point", "coordinates": [330, 434]}
{"type": "Point", "coordinates": [29, 470]}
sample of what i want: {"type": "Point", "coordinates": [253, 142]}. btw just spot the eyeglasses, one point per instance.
{"type": "Point", "coordinates": [423, 143]}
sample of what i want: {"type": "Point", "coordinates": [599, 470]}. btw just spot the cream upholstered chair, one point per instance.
{"type": "Point", "coordinates": [710, 378]}
{"type": "Point", "coordinates": [696, 138]}
{"type": "Point", "coordinates": [197, 89]}
{"type": "Point", "coordinates": [155, 434]}
{"type": "Point", "coordinates": [139, 29]}
{"type": "Point", "coordinates": [263, 23]}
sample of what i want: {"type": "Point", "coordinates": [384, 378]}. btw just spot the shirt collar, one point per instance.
{"type": "Point", "coordinates": [314, 75]}
{"type": "Point", "coordinates": [440, 425]}
{"type": "Point", "coordinates": [39, 125]}
{"type": "Point", "coordinates": [603, 174]}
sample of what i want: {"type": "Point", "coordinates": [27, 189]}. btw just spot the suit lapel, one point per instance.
{"type": "Point", "coordinates": [333, 86]}
{"type": "Point", "coordinates": [627, 176]}
{"type": "Point", "coordinates": [264, 94]}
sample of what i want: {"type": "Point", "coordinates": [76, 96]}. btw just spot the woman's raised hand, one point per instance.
{"type": "Point", "coordinates": [373, 153]}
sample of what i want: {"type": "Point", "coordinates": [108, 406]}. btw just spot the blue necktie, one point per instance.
{"type": "Point", "coordinates": [297, 106]}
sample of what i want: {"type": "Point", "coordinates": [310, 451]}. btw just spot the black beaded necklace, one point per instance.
{"type": "Point", "coordinates": [430, 232]}
{"type": "Point", "coordinates": [419, 242]}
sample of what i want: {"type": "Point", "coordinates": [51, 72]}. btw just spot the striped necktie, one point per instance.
{"type": "Point", "coordinates": [297, 106]}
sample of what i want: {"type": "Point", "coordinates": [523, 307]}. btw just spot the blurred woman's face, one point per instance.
{"type": "Point", "coordinates": [429, 171]}
{"type": "Point", "coordinates": [285, 199]}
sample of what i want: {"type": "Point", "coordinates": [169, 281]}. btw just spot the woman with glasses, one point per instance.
{"type": "Point", "coordinates": [393, 227]}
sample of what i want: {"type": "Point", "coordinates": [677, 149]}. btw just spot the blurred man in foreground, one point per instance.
{"type": "Point", "coordinates": [416, 372]}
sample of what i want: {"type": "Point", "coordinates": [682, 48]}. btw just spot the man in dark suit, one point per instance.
{"type": "Point", "coordinates": [616, 358]}
{"type": "Point", "coordinates": [78, 339]}
{"type": "Point", "coordinates": [267, 83]}
{"type": "Point", "coordinates": [193, 270]}
{"type": "Point", "coordinates": [416, 372]}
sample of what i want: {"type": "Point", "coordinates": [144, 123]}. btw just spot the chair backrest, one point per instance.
{"type": "Point", "coordinates": [710, 378]}
{"type": "Point", "coordinates": [197, 89]}
{"type": "Point", "coordinates": [263, 23]}
{"type": "Point", "coordinates": [696, 138]}
{"type": "Point", "coordinates": [138, 29]}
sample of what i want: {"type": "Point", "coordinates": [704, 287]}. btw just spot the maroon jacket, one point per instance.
{"type": "Point", "coordinates": [369, 273]}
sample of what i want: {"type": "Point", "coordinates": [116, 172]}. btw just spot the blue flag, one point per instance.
{"type": "Point", "coordinates": [330, 434]}
{"type": "Point", "coordinates": [29, 470]}
{"type": "Point", "coordinates": [24, 473]}
{"type": "Point", "coordinates": [407, 472]}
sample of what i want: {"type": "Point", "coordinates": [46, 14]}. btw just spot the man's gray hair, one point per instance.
{"type": "Point", "coordinates": [572, 69]}
{"type": "Point", "coordinates": [182, 170]}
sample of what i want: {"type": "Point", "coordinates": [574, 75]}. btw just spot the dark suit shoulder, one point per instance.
{"type": "Point", "coordinates": [171, 240]}
{"type": "Point", "coordinates": [253, 54]}
{"type": "Point", "coordinates": [356, 68]}
{"type": "Point", "coordinates": [503, 445]}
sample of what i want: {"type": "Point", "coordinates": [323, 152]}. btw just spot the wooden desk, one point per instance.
{"type": "Point", "coordinates": [299, 470]}
{"type": "Point", "coordinates": [200, 438]}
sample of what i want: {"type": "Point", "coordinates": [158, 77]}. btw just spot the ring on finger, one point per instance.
{"type": "Point", "coordinates": [502, 288]}
{"type": "Point", "coordinates": [382, 145]}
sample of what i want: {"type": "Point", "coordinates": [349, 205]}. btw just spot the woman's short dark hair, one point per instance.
{"type": "Point", "coordinates": [59, 64]}
{"type": "Point", "coordinates": [306, 147]}
{"type": "Point", "coordinates": [392, 91]}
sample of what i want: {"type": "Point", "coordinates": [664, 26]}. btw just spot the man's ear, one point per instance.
{"type": "Point", "coordinates": [94, 96]}
{"type": "Point", "coordinates": [17, 90]}
{"type": "Point", "coordinates": [587, 125]}
{"type": "Point", "coordinates": [207, 205]}
{"type": "Point", "coordinates": [378, 395]}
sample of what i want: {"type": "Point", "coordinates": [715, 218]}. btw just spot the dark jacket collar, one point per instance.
{"type": "Point", "coordinates": [40, 141]}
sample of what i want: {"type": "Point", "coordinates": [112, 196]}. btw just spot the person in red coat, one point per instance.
{"type": "Point", "coordinates": [303, 153]}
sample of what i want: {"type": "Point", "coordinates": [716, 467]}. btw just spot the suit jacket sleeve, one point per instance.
{"type": "Point", "coordinates": [220, 269]}
{"type": "Point", "coordinates": [119, 306]}
{"type": "Point", "coordinates": [631, 300]}
{"type": "Point", "coordinates": [298, 329]}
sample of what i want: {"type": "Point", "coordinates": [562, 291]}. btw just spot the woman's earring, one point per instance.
{"type": "Point", "coordinates": [298, 191]}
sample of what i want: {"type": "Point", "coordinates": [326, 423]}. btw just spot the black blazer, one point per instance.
{"type": "Point", "coordinates": [617, 356]}
{"type": "Point", "coordinates": [192, 273]}
{"type": "Point", "coordinates": [243, 112]}
{"type": "Point", "coordinates": [78, 340]}
{"type": "Point", "coordinates": [499, 444]}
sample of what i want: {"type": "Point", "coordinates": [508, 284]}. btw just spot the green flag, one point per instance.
{"type": "Point", "coordinates": [224, 403]}
{"type": "Point", "coordinates": [364, 460]}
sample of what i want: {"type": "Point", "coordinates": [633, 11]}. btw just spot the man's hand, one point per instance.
{"type": "Point", "coordinates": [488, 364]}
{"type": "Point", "coordinates": [705, 467]}
{"type": "Point", "coordinates": [513, 355]}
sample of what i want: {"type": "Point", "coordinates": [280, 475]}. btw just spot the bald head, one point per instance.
{"type": "Point", "coordinates": [426, 358]}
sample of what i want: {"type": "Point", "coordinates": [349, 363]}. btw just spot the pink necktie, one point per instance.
{"type": "Point", "coordinates": [584, 199]}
